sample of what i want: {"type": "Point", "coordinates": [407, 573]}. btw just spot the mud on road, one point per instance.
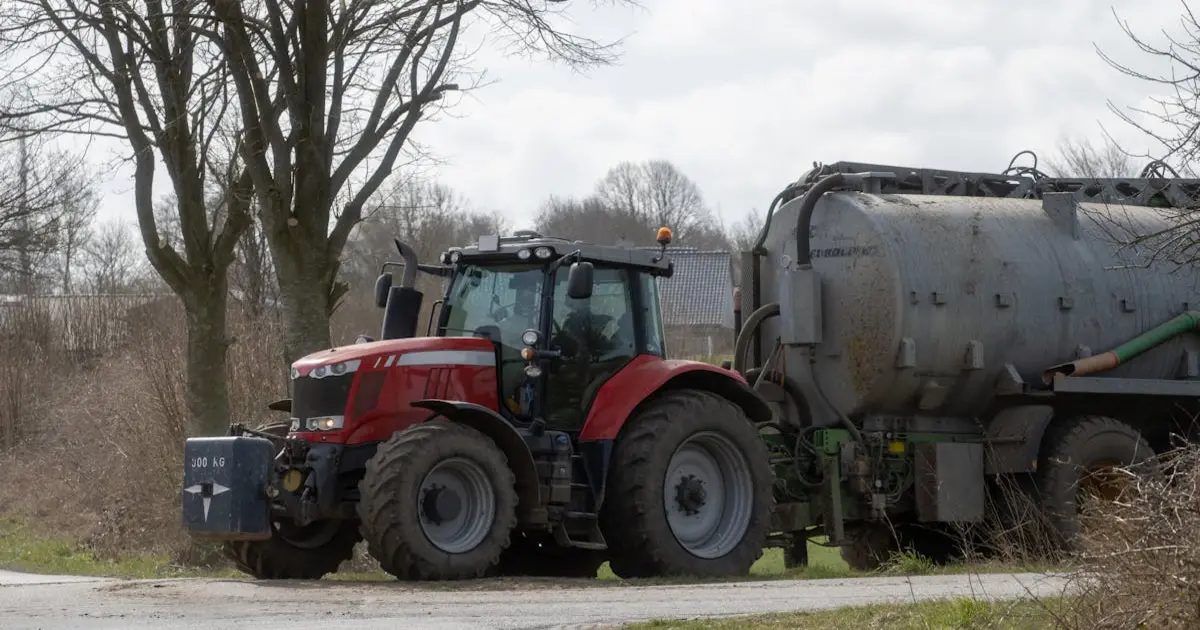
{"type": "Point", "coordinates": [53, 603]}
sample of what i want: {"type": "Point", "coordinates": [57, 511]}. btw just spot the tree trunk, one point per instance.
{"type": "Point", "coordinates": [207, 347]}
{"type": "Point", "coordinates": [304, 296]}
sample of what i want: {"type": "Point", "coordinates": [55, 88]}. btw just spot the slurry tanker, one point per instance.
{"type": "Point", "coordinates": [932, 337]}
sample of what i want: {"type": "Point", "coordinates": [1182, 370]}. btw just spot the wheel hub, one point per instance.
{"type": "Point", "coordinates": [441, 504]}
{"type": "Point", "coordinates": [456, 505]}
{"type": "Point", "coordinates": [708, 495]}
{"type": "Point", "coordinates": [690, 495]}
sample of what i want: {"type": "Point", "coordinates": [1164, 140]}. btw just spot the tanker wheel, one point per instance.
{"type": "Point", "coordinates": [294, 552]}
{"type": "Point", "coordinates": [438, 502]}
{"type": "Point", "coordinates": [689, 490]}
{"type": "Point", "coordinates": [526, 557]}
{"type": "Point", "coordinates": [1081, 457]}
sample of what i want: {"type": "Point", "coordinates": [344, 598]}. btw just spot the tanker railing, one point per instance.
{"type": "Point", "coordinates": [1026, 183]}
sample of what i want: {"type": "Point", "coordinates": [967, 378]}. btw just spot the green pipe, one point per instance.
{"type": "Point", "coordinates": [1185, 322]}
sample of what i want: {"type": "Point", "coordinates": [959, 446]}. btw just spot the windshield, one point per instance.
{"type": "Point", "coordinates": [498, 301]}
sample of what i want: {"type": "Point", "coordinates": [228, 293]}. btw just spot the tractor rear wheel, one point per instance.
{"type": "Point", "coordinates": [438, 502]}
{"type": "Point", "coordinates": [1081, 457]}
{"type": "Point", "coordinates": [690, 490]}
{"type": "Point", "coordinates": [295, 553]}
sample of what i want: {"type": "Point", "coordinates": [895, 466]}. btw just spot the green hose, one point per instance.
{"type": "Point", "coordinates": [1185, 322]}
{"type": "Point", "coordinates": [1180, 324]}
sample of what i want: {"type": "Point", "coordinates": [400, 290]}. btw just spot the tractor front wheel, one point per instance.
{"type": "Point", "coordinates": [689, 491]}
{"type": "Point", "coordinates": [294, 552]}
{"type": "Point", "coordinates": [438, 502]}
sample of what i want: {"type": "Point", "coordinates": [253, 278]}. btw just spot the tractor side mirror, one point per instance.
{"type": "Point", "coordinates": [579, 281]}
{"type": "Point", "coordinates": [383, 287]}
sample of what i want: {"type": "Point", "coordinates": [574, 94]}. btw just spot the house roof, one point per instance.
{"type": "Point", "coordinates": [700, 291]}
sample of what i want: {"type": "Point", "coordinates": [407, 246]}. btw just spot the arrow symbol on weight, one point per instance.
{"type": "Point", "coordinates": [206, 491]}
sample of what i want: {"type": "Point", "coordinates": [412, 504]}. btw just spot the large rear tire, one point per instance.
{"type": "Point", "coordinates": [295, 553]}
{"type": "Point", "coordinates": [690, 490]}
{"type": "Point", "coordinates": [438, 502]}
{"type": "Point", "coordinates": [1078, 457]}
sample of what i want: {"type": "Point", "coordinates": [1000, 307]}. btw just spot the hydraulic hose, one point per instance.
{"type": "Point", "coordinates": [749, 332]}
{"type": "Point", "coordinates": [808, 203]}
{"type": "Point", "coordinates": [743, 342]}
{"type": "Point", "coordinates": [1188, 321]}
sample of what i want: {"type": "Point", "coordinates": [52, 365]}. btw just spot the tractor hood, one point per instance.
{"type": "Point", "coordinates": [386, 353]}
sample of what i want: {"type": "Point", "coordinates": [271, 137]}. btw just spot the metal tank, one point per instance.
{"type": "Point", "coordinates": [926, 299]}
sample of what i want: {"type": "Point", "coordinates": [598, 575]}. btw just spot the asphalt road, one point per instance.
{"type": "Point", "coordinates": [55, 602]}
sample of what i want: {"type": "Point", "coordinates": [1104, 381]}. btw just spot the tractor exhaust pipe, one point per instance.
{"type": "Point", "coordinates": [401, 304]}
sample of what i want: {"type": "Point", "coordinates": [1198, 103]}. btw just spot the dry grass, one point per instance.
{"type": "Point", "coordinates": [1139, 556]}
{"type": "Point", "coordinates": [93, 444]}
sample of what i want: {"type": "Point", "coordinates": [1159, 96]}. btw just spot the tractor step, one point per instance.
{"type": "Point", "coordinates": [596, 543]}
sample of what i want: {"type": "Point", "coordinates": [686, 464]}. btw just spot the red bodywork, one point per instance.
{"type": "Point", "coordinates": [384, 384]}
{"type": "Point", "coordinates": [643, 376]}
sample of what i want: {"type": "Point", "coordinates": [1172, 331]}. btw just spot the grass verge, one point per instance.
{"type": "Point", "coordinates": [26, 550]}
{"type": "Point", "coordinates": [953, 613]}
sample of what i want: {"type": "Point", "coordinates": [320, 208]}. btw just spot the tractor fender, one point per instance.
{"type": "Point", "coordinates": [1013, 438]}
{"type": "Point", "coordinates": [506, 437]}
{"type": "Point", "coordinates": [647, 375]}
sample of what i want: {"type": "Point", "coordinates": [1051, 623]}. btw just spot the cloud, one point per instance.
{"type": "Point", "coordinates": [744, 96]}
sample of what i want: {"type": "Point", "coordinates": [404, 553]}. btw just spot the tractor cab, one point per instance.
{"type": "Point", "coordinates": [564, 317]}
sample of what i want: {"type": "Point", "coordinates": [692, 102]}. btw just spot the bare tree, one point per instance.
{"type": "Point", "coordinates": [40, 191]}
{"type": "Point", "coordinates": [656, 193]}
{"type": "Point", "coordinates": [1174, 120]}
{"type": "Point", "coordinates": [74, 234]}
{"type": "Point", "coordinates": [630, 203]}
{"type": "Point", "coordinates": [428, 215]}
{"type": "Point", "coordinates": [745, 231]}
{"type": "Point", "coordinates": [154, 78]}
{"type": "Point", "coordinates": [1081, 158]}
{"type": "Point", "coordinates": [110, 261]}
{"type": "Point", "coordinates": [593, 220]}
{"type": "Point", "coordinates": [329, 94]}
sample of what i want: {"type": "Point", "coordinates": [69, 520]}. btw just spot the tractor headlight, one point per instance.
{"type": "Point", "coordinates": [543, 252]}
{"type": "Point", "coordinates": [455, 256]}
{"type": "Point", "coordinates": [295, 425]}
{"type": "Point", "coordinates": [326, 423]}
{"type": "Point", "coordinates": [524, 254]}
{"type": "Point", "coordinates": [530, 337]}
{"type": "Point", "coordinates": [336, 369]}
{"type": "Point", "coordinates": [295, 374]}
{"type": "Point", "coordinates": [533, 371]}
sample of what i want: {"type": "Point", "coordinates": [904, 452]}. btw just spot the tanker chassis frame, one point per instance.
{"type": "Point", "coordinates": [875, 485]}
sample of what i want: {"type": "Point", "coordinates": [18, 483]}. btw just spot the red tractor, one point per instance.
{"type": "Point", "coordinates": [540, 430]}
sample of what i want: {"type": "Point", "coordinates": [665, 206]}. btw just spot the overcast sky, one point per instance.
{"type": "Point", "coordinates": [744, 96]}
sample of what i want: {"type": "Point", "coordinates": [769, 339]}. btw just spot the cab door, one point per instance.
{"type": "Point", "coordinates": [596, 337]}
